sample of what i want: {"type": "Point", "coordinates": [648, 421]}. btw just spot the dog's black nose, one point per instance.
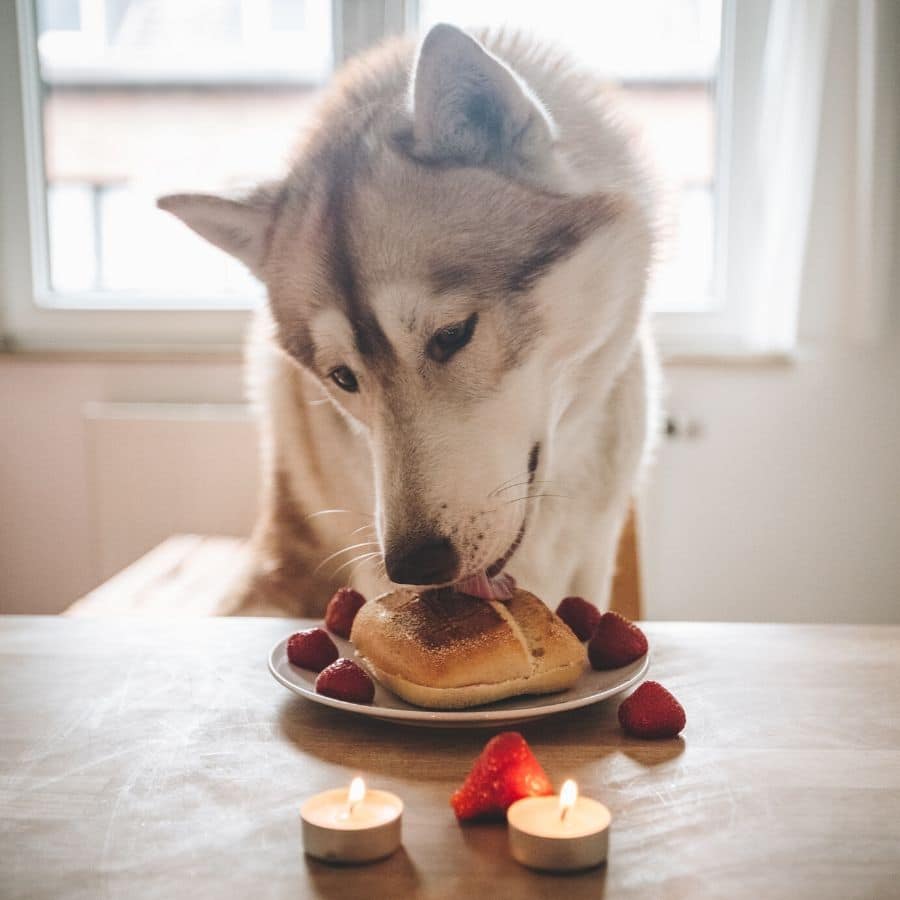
{"type": "Point", "coordinates": [429, 561]}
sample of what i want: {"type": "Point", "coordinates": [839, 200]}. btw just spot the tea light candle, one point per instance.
{"type": "Point", "coordinates": [352, 825]}
{"type": "Point", "coordinates": [559, 834]}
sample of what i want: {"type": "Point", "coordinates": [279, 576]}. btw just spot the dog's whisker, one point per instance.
{"type": "Point", "coordinates": [326, 512]}
{"type": "Point", "coordinates": [343, 550]}
{"type": "Point", "coordinates": [521, 474]}
{"type": "Point", "coordinates": [527, 498]}
{"type": "Point", "coordinates": [364, 562]}
{"type": "Point", "coordinates": [522, 484]}
{"type": "Point", "coordinates": [329, 512]}
{"type": "Point", "coordinates": [355, 559]}
{"type": "Point", "coordinates": [362, 528]}
{"type": "Point", "coordinates": [536, 497]}
{"type": "Point", "coordinates": [500, 486]}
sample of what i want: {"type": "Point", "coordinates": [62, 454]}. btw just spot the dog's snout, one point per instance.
{"type": "Point", "coordinates": [433, 560]}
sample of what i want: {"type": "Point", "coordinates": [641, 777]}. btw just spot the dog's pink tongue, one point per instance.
{"type": "Point", "coordinates": [498, 588]}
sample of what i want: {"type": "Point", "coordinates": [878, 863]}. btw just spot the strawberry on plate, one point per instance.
{"type": "Point", "coordinates": [342, 609]}
{"type": "Point", "coordinates": [311, 649]}
{"type": "Point", "coordinates": [582, 617]}
{"type": "Point", "coordinates": [616, 642]}
{"type": "Point", "coordinates": [345, 680]}
{"type": "Point", "coordinates": [505, 771]}
{"type": "Point", "coordinates": [652, 712]}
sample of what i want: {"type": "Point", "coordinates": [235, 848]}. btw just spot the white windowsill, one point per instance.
{"type": "Point", "coordinates": [707, 351]}
{"type": "Point", "coordinates": [719, 351]}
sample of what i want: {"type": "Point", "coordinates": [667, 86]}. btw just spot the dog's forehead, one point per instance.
{"type": "Point", "coordinates": [410, 310]}
{"type": "Point", "coordinates": [406, 311]}
{"type": "Point", "coordinates": [387, 239]}
{"type": "Point", "coordinates": [411, 221]}
{"type": "Point", "coordinates": [463, 228]}
{"type": "Point", "coordinates": [376, 257]}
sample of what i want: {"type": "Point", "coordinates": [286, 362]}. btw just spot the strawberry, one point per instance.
{"type": "Point", "coordinates": [582, 617]}
{"type": "Point", "coordinates": [311, 649]}
{"type": "Point", "coordinates": [342, 610]}
{"type": "Point", "coordinates": [505, 772]}
{"type": "Point", "coordinates": [651, 712]}
{"type": "Point", "coordinates": [616, 642]}
{"type": "Point", "coordinates": [345, 680]}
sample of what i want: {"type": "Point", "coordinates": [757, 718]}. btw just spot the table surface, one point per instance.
{"type": "Point", "coordinates": [160, 759]}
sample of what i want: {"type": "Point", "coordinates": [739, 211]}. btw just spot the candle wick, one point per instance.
{"type": "Point", "coordinates": [562, 814]}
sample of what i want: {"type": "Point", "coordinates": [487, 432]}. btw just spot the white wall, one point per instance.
{"type": "Point", "coordinates": [155, 469]}
{"type": "Point", "coordinates": [786, 507]}
{"type": "Point", "coordinates": [50, 551]}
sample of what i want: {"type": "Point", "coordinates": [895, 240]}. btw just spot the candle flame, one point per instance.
{"type": "Point", "coordinates": [567, 797]}
{"type": "Point", "coordinates": [356, 793]}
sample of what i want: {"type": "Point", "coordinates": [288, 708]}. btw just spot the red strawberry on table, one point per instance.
{"type": "Point", "coordinates": [505, 772]}
{"type": "Point", "coordinates": [652, 712]}
{"type": "Point", "coordinates": [616, 642]}
{"type": "Point", "coordinates": [582, 617]}
{"type": "Point", "coordinates": [311, 649]}
{"type": "Point", "coordinates": [342, 609]}
{"type": "Point", "coordinates": [345, 680]}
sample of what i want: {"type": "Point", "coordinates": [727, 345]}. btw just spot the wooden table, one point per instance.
{"type": "Point", "coordinates": [153, 759]}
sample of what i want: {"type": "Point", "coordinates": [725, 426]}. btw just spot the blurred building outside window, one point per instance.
{"type": "Point", "coordinates": [120, 101]}
{"type": "Point", "coordinates": [145, 96]}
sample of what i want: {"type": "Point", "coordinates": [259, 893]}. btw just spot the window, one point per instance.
{"type": "Point", "coordinates": [663, 55]}
{"type": "Point", "coordinates": [142, 96]}
{"type": "Point", "coordinates": [123, 100]}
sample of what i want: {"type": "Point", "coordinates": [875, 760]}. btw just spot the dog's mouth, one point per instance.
{"type": "Point", "coordinates": [493, 583]}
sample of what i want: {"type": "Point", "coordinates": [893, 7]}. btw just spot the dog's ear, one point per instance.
{"type": "Point", "coordinates": [469, 108]}
{"type": "Point", "coordinates": [238, 227]}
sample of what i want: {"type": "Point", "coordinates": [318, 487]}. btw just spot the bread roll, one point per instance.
{"type": "Point", "coordinates": [446, 650]}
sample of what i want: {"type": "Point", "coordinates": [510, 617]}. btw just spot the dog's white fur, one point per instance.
{"type": "Point", "coordinates": [443, 448]}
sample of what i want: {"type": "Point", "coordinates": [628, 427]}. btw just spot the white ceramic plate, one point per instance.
{"type": "Point", "coordinates": [592, 687]}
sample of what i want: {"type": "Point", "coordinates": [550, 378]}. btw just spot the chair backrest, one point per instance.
{"type": "Point", "coordinates": [625, 598]}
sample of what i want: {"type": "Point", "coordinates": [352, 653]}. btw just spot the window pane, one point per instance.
{"type": "Point", "coordinates": [72, 244]}
{"type": "Point", "coordinates": [141, 97]}
{"type": "Point", "coordinates": [288, 15]}
{"type": "Point", "coordinates": [663, 55]}
{"type": "Point", "coordinates": [60, 15]}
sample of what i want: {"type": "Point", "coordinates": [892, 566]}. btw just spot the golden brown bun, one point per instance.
{"type": "Point", "coordinates": [446, 650]}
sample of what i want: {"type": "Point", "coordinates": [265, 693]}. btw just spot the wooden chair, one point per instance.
{"type": "Point", "coordinates": [626, 588]}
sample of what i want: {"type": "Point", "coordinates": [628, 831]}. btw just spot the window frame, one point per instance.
{"type": "Point", "coordinates": [722, 332]}
{"type": "Point", "coordinates": [30, 319]}
{"type": "Point", "coordinates": [91, 41]}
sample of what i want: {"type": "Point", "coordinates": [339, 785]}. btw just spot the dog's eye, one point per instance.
{"type": "Point", "coordinates": [446, 341]}
{"type": "Point", "coordinates": [344, 378]}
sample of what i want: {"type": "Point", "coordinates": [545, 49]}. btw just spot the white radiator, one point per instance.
{"type": "Point", "coordinates": [156, 469]}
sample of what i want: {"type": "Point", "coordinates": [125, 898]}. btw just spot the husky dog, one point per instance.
{"type": "Point", "coordinates": [454, 374]}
